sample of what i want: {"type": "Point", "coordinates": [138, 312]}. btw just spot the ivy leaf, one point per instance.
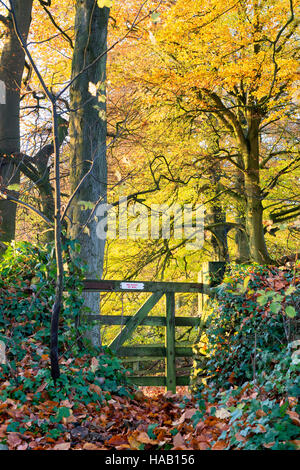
{"type": "Point", "coordinates": [262, 300]}
{"type": "Point", "coordinates": [290, 311]}
{"type": "Point", "coordinates": [275, 307]}
{"type": "Point", "coordinates": [63, 412]}
{"type": "Point", "coordinates": [290, 290]}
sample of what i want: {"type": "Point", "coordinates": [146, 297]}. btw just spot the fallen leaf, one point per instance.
{"type": "Point", "coordinates": [144, 438]}
{"type": "Point", "coordinates": [79, 432]}
{"type": "Point", "coordinates": [94, 364]}
{"type": "Point", "coordinates": [117, 440]}
{"type": "Point", "coordinates": [260, 413]}
{"type": "Point", "coordinates": [96, 389]}
{"type": "Point", "coordinates": [262, 428]}
{"type": "Point", "coordinates": [41, 387]}
{"type": "Point", "coordinates": [294, 417]}
{"type": "Point", "coordinates": [296, 443]}
{"type": "Point", "coordinates": [178, 440]}
{"type": "Point", "coordinates": [69, 419]}
{"type": "Point", "coordinates": [219, 445]}
{"type": "Point", "coordinates": [222, 413]}
{"type": "Point", "coordinates": [134, 444]}
{"type": "Point", "coordinates": [269, 445]}
{"type": "Point", "coordinates": [203, 446]}
{"type": "Point", "coordinates": [13, 439]}
{"type": "Point", "coordinates": [239, 437]}
{"type": "Point", "coordinates": [23, 446]}
{"type": "Point", "coordinates": [90, 446]}
{"type": "Point", "coordinates": [62, 446]}
{"type": "Point", "coordinates": [190, 413]}
{"type": "Point", "coordinates": [66, 403]}
{"type": "Point", "coordinates": [293, 401]}
{"type": "Point", "coordinates": [139, 395]}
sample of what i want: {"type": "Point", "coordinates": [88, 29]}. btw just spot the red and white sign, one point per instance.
{"type": "Point", "coordinates": [132, 285]}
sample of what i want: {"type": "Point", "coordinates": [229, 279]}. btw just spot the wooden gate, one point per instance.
{"type": "Point", "coordinates": [169, 350]}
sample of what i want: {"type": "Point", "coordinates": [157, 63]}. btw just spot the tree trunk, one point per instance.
{"type": "Point", "coordinates": [254, 221]}
{"type": "Point", "coordinates": [88, 142]}
{"type": "Point", "coordinates": [242, 249]}
{"type": "Point", "coordinates": [11, 70]}
{"type": "Point", "coordinates": [254, 208]}
{"type": "Point", "coordinates": [46, 233]}
{"type": "Point", "coordinates": [216, 215]}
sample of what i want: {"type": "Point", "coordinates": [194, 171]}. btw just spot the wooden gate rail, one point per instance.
{"type": "Point", "coordinates": [91, 285]}
{"type": "Point", "coordinates": [169, 350]}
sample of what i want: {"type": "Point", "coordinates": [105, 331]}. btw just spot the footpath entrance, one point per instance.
{"type": "Point", "coordinates": [211, 275]}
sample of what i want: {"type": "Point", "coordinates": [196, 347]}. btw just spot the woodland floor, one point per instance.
{"type": "Point", "coordinates": [152, 420]}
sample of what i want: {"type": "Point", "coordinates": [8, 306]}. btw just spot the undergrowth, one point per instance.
{"type": "Point", "coordinates": [250, 357]}
{"type": "Point", "coordinates": [27, 287]}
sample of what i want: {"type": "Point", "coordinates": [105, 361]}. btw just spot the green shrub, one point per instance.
{"type": "Point", "coordinates": [245, 335]}
{"type": "Point", "coordinates": [27, 286]}
{"type": "Point", "coordinates": [252, 358]}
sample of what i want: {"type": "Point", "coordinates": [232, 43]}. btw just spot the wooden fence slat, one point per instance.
{"type": "Point", "coordinates": [170, 342]}
{"type": "Point", "coordinates": [147, 381]}
{"type": "Point", "coordinates": [157, 381]}
{"type": "Point", "coordinates": [183, 380]}
{"type": "Point", "coordinates": [142, 351]}
{"type": "Point", "coordinates": [152, 351]}
{"type": "Point", "coordinates": [94, 285]}
{"type": "Point", "coordinates": [136, 320]}
{"type": "Point", "coordinates": [123, 320]}
{"type": "Point", "coordinates": [148, 321]}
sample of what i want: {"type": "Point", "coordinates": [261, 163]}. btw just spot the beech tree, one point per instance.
{"type": "Point", "coordinates": [237, 63]}
{"type": "Point", "coordinates": [12, 63]}
{"type": "Point", "coordinates": [17, 76]}
{"type": "Point", "coordinates": [88, 167]}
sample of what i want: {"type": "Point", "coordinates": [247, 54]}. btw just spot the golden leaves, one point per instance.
{"type": "Point", "coordinates": [104, 3]}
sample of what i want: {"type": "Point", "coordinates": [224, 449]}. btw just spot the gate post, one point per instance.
{"type": "Point", "coordinates": [170, 343]}
{"type": "Point", "coordinates": [2, 92]}
{"type": "Point", "coordinates": [211, 274]}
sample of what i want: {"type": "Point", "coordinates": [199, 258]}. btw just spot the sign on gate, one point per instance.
{"type": "Point", "coordinates": [132, 285]}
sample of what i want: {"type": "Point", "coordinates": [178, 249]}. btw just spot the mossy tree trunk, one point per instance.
{"type": "Point", "coordinates": [253, 193]}
{"type": "Point", "coordinates": [245, 130]}
{"type": "Point", "coordinates": [88, 130]}
{"type": "Point", "coordinates": [242, 250]}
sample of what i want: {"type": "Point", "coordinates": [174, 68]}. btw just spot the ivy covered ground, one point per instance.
{"type": "Point", "coordinates": [245, 392]}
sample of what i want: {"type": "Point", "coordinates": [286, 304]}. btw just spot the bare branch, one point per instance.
{"type": "Point", "coordinates": [52, 19]}
{"type": "Point", "coordinates": [228, 116]}
{"type": "Point", "coordinates": [5, 20]}
{"type": "Point", "coordinates": [91, 64]}
{"type": "Point", "coordinates": [25, 204]}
